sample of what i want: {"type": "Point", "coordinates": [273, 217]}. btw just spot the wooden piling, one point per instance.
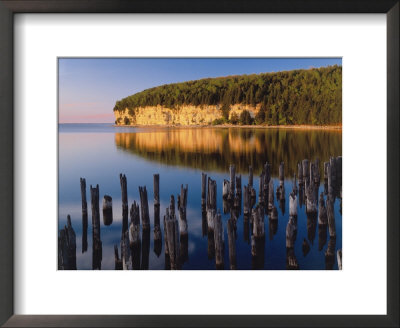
{"type": "Point", "coordinates": [258, 222]}
{"type": "Point", "coordinates": [84, 215]}
{"type": "Point", "coordinates": [273, 213]}
{"type": "Point", "coordinates": [330, 254]}
{"type": "Point", "coordinates": [134, 228]}
{"type": "Point", "coordinates": [96, 244]}
{"type": "Point", "coordinates": [173, 240]}
{"type": "Point", "coordinates": [250, 176]}
{"type": "Point", "coordinates": [219, 241]}
{"type": "Point", "coordinates": [246, 201]}
{"type": "Point", "coordinates": [156, 189]}
{"type": "Point", "coordinates": [311, 201]}
{"type": "Point", "coordinates": [271, 195]}
{"type": "Point", "coordinates": [225, 189]}
{"type": "Point", "coordinates": [291, 232]}
{"type": "Point", "coordinates": [144, 207]}
{"type": "Point", "coordinates": [203, 189]}
{"type": "Point", "coordinates": [291, 260]}
{"type": "Point", "coordinates": [183, 226]}
{"type": "Point", "coordinates": [239, 185]}
{"type": "Point", "coordinates": [67, 247]}
{"type": "Point", "coordinates": [107, 210]}
{"type": "Point", "coordinates": [322, 215]}
{"type": "Point", "coordinates": [124, 193]}
{"type": "Point", "coordinates": [210, 219]}
{"type": "Point", "coordinates": [134, 236]}
{"type": "Point", "coordinates": [306, 171]}
{"type": "Point", "coordinates": [331, 216]}
{"type": "Point", "coordinates": [232, 243]}
{"type": "Point", "coordinates": [292, 204]}
{"type": "Point", "coordinates": [317, 176]}
{"type": "Point", "coordinates": [261, 189]}
{"type": "Point", "coordinates": [126, 252]}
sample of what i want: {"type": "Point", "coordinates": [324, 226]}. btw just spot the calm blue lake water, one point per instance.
{"type": "Point", "coordinates": [100, 152]}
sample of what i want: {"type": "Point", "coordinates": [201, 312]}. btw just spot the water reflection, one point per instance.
{"type": "Point", "coordinates": [213, 149]}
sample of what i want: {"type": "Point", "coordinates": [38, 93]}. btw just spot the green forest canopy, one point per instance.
{"type": "Point", "coordinates": [307, 96]}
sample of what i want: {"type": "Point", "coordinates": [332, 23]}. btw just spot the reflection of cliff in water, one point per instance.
{"type": "Point", "coordinates": [213, 149]}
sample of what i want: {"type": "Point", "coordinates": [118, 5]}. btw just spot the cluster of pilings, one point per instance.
{"type": "Point", "coordinates": [135, 235]}
{"type": "Point", "coordinates": [134, 245]}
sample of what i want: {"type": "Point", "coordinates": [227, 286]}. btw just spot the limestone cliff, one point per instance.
{"type": "Point", "coordinates": [184, 115]}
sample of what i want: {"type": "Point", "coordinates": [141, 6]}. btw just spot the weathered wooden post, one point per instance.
{"type": "Point", "coordinates": [257, 253]}
{"type": "Point", "coordinates": [311, 202]}
{"type": "Point", "coordinates": [239, 185]}
{"type": "Point", "coordinates": [252, 197]}
{"type": "Point", "coordinates": [291, 260]}
{"type": "Point", "coordinates": [183, 226]}
{"type": "Point", "coordinates": [331, 216]}
{"type": "Point", "coordinates": [144, 207]}
{"type": "Point", "coordinates": [97, 246]}
{"type": "Point", "coordinates": [84, 215]}
{"type": "Point", "coordinates": [293, 204]}
{"type": "Point", "coordinates": [203, 189]}
{"type": "Point", "coordinates": [219, 241]}
{"type": "Point", "coordinates": [232, 243]}
{"type": "Point", "coordinates": [126, 252]}
{"type": "Point", "coordinates": [117, 260]}
{"type": "Point", "coordinates": [317, 176]}
{"type": "Point", "coordinates": [157, 224]}
{"type": "Point", "coordinates": [258, 223]}
{"type": "Point", "coordinates": [322, 215]}
{"type": "Point", "coordinates": [225, 189]}
{"type": "Point", "coordinates": [67, 247]}
{"type": "Point", "coordinates": [273, 213]}
{"type": "Point", "coordinates": [232, 182]}
{"type": "Point", "coordinates": [173, 239]}
{"type": "Point", "coordinates": [246, 201]}
{"type": "Point", "coordinates": [261, 189]}
{"type": "Point", "coordinates": [156, 188]}
{"type": "Point", "coordinates": [291, 232]}
{"type": "Point", "coordinates": [210, 219]}
{"type": "Point", "coordinates": [107, 210]}
{"type": "Point", "coordinates": [134, 236]}
{"type": "Point", "coordinates": [330, 254]}
{"type": "Point", "coordinates": [124, 192]}
{"type": "Point", "coordinates": [250, 176]}
{"type": "Point", "coordinates": [271, 195]}
{"type": "Point", "coordinates": [339, 259]}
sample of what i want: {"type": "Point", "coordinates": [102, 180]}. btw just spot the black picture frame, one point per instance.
{"type": "Point", "coordinates": [10, 7]}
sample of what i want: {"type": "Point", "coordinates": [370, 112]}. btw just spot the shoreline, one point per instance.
{"type": "Point", "coordinates": [289, 127]}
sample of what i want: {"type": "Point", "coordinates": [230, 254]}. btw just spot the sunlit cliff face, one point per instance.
{"type": "Point", "coordinates": [214, 149]}
{"type": "Point", "coordinates": [185, 115]}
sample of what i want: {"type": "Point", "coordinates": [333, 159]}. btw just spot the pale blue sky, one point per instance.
{"type": "Point", "coordinates": [89, 87]}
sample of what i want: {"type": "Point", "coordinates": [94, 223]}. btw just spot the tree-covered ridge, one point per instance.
{"type": "Point", "coordinates": [312, 96]}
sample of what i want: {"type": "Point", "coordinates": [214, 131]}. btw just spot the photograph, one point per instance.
{"type": "Point", "coordinates": [201, 163]}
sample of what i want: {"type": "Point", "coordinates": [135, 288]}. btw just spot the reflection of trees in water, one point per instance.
{"type": "Point", "coordinates": [213, 149]}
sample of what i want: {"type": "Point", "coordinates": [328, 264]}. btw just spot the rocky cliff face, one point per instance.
{"type": "Point", "coordinates": [184, 115]}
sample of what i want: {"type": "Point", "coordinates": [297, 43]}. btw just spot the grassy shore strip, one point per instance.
{"type": "Point", "coordinates": [299, 127]}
